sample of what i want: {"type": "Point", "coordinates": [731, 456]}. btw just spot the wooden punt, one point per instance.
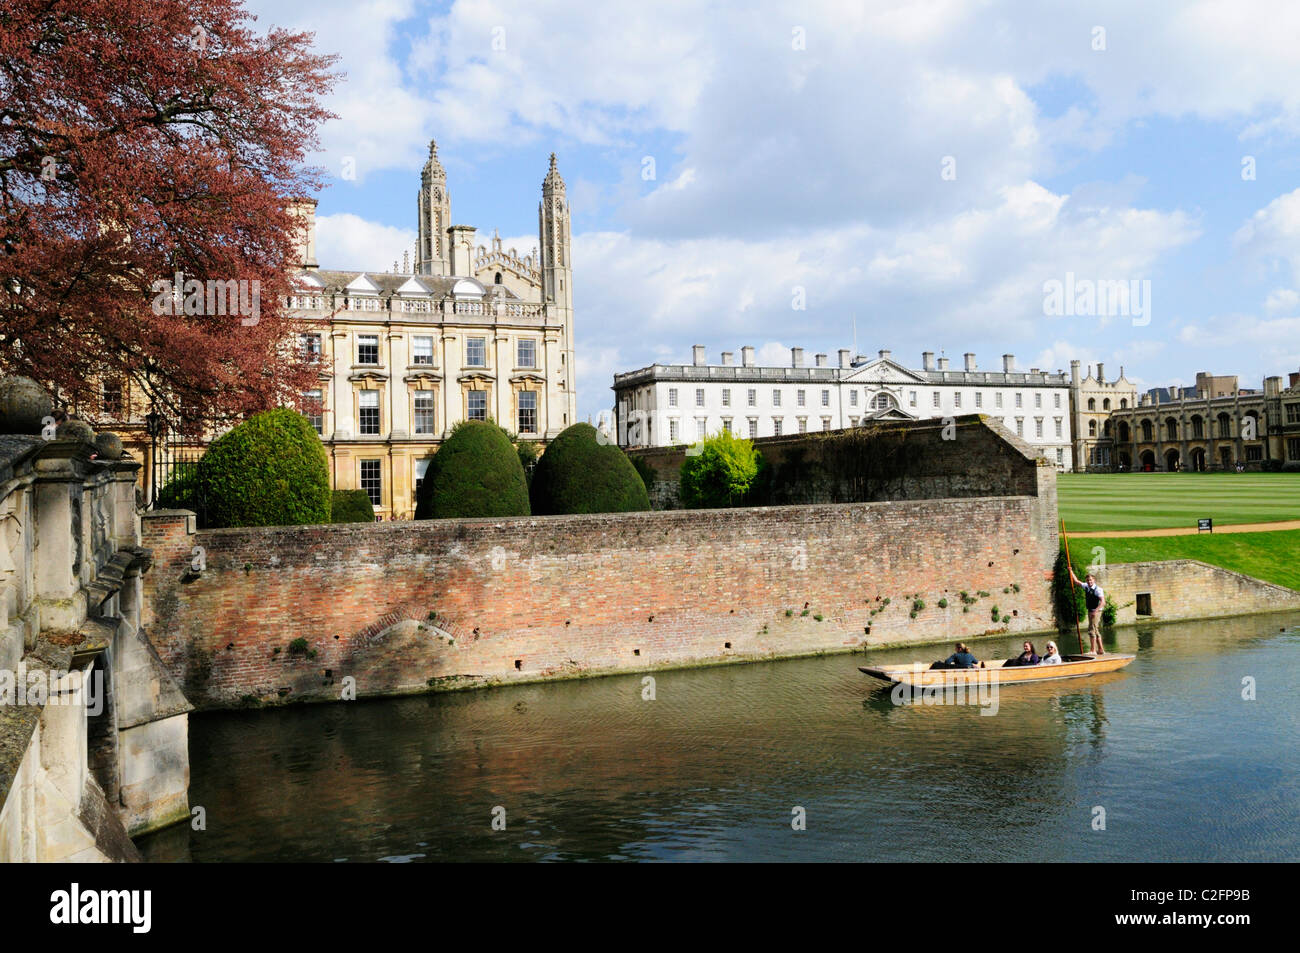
{"type": "Point", "coordinates": [920, 675]}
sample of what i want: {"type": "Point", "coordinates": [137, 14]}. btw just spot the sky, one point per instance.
{"type": "Point", "coordinates": [925, 174]}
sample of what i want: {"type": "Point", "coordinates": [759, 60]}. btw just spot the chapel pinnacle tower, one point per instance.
{"type": "Point", "coordinates": [433, 256]}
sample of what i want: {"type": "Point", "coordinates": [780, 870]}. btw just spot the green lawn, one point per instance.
{"type": "Point", "coordinates": [1113, 501]}
{"type": "Point", "coordinates": [1274, 557]}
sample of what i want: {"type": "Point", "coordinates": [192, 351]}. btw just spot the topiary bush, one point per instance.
{"type": "Point", "coordinates": [271, 470]}
{"type": "Point", "coordinates": [647, 473]}
{"type": "Point", "coordinates": [351, 506]}
{"type": "Point", "coordinates": [580, 474]}
{"type": "Point", "coordinates": [476, 472]}
{"type": "Point", "coordinates": [720, 473]}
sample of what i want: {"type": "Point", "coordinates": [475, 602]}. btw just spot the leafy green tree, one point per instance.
{"type": "Point", "coordinates": [476, 472]}
{"type": "Point", "coordinates": [351, 506]}
{"type": "Point", "coordinates": [718, 472]}
{"type": "Point", "coordinates": [270, 470]}
{"type": "Point", "coordinates": [580, 474]}
{"type": "Point", "coordinates": [1068, 603]}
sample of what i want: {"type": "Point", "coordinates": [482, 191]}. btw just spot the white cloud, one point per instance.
{"type": "Point", "coordinates": [345, 241]}
{"type": "Point", "coordinates": [1272, 234]}
{"type": "Point", "coordinates": [972, 282]}
{"type": "Point", "coordinates": [383, 118]}
{"type": "Point", "coordinates": [1282, 300]}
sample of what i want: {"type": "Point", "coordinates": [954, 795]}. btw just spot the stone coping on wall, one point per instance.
{"type": "Point", "coordinates": [438, 526]}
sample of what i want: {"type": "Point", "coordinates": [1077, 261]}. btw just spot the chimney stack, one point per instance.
{"type": "Point", "coordinates": [304, 210]}
{"type": "Point", "coordinates": [1101, 372]}
{"type": "Point", "coordinates": [943, 363]}
{"type": "Point", "coordinates": [1008, 363]}
{"type": "Point", "coordinates": [747, 356]}
{"type": "Point", "coordinates": [884, 355]}
{"type": "Point", "coordinates": [1293, 378]}
{"type": "Point", "coordinates": [726, 358]}
{"type": "Point", "coordinates": [927, 360]}
{"type": "Point", "coordinates": [970, 361]}
{"type": "Point", "coordinates": [796, 357]}
{"type": "Point", "coordinates": [698, 355]}
{"type": "Point", "coordinates": [821, 360]}
{"type": "Point", "coordinates": [844, 357]}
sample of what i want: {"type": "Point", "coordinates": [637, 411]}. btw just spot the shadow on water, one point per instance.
{"type": "Point", "coordinates": [716, 766]}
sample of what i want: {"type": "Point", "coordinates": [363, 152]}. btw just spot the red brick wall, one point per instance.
{"type": "Point", "coordinates": [574, 595]}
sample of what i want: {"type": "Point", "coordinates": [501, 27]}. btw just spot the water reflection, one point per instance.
{"type": "Point", "coordinates": [712, 768]}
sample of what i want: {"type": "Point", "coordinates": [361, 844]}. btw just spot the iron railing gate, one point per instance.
{"type": "Point", "coordinates": [176, 445]}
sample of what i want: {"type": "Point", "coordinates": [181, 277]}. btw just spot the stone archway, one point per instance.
{"type": "Point", "coordinates": [1125, 461]}
{"type": "Point", "coordinates": [1225, 457]}
{"type": "Point", "coordinates": [1197, 457]}
{"type": "Point", "coordinates": [1148, 460]}
{"type": "Point", "coordinates": [1172, 460]}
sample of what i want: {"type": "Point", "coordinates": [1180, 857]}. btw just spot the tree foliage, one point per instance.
{"type": "Point", "coordinates": [1068, 603]}
{"type": "Point", "coordinates": [718, 472]}
{"type": "Point", "coordinates": [580, 474]}
{"type": "Point", "coordinates": [475, 473]}
{"type": "Point", "coordinates": [142, 138]}
{"type": "Point", "coordinates": [271, 470]}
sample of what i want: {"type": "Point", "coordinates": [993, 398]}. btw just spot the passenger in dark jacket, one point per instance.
{"type": "Point", "coordinates": [959, 659]}
{"type": "Point", "coordinates": [1027, 657]}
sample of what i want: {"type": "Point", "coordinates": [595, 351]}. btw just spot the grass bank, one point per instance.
{"type": "Point", "coordinates": [1273, 557]}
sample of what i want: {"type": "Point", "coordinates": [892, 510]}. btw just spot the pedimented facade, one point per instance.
{"type": "Point", "coordinates": [465, 332]}
{"type": "Point", "coordinates": [674, 404]}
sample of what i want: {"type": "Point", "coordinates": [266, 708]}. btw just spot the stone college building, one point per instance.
{"type": "Point", "coordinates": [470, 332]}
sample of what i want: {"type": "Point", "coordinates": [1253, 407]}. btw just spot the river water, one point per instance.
{"type": "Point", "coordinates": [717, 764]}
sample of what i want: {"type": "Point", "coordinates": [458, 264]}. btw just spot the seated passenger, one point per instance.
{"type": "Point", "coordinates": [959, 659]}
{"type": "Point", "coordinates": [1053, 657]}
{"type": "Point", "coordinates": [1027, 657]}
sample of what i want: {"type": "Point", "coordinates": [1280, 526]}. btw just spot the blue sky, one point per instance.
{"type": "Point", "coordinates": [919, 167]}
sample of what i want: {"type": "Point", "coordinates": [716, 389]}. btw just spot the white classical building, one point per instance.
{"type": "Point", "coordinates": [671, 404]}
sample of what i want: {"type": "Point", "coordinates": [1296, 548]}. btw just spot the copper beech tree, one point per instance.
{"type": "Point", "coordinates": [142, 141]}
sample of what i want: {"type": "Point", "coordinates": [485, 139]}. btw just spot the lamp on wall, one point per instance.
{"type": "Point", "coordinates": [153, 425]}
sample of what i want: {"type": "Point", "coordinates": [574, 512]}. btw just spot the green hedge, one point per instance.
{"type": "Point", "coordinates": [271, 470]}
{"type": "Point", "coordinates": [579, 474]}
{"type": "Point", "coordinates": [476, 472]}
{"type": "Point", "coordinates": [351, 506]}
